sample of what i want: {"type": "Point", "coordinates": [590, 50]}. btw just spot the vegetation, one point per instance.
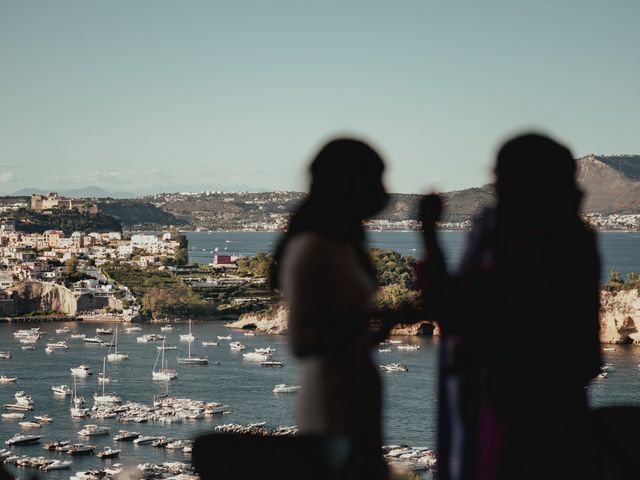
{"type": "Point", "coordinates": [135, 212]}
{"type": "Point", "coordinates": [160, 293]}
{"type": "Point", "coordinates": [68, 221]}
{"type": "Point", "coordinates": [182, 252]}
{"type": "Point", "coordinates": [397, 279]}
{"type": "Point", "coordinates": [617, 283]}
{"type": "Point", "coordinates": [256, 266]}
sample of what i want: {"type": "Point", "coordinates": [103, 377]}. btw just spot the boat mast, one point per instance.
{"type": "Point", "coordinates": [104, 373]}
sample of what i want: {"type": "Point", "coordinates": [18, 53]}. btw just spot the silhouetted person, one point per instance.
{"type": "Point", "coordinates": [520, 324]}
{"type": "Point", "coordinates": [326, 277]}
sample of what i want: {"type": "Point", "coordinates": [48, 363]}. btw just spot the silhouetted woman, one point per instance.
{"type": "Point", "coordinates": [326, 276]}
{"type": "Point", "coordinates": [520, 324]}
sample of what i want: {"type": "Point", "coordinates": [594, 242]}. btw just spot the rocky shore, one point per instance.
{"type": "Point", "coordinates": [619, 320]}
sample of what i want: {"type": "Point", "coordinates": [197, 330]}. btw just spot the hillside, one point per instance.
{"type": "Point", "coordinates": [68, 221]}
{"type": "Point", "coordinates": [611, 184]}
{"type": "Point", "coordinates": [133, 213]}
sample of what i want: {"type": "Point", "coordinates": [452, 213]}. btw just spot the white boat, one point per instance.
{"type": "Point", "coordinates": [394, 367]}
{"type": "Point", "coordinates": [108, 452]}
{"type": "Point", "coordinates": [62, 330]}
{"type": "Point", "coordinates": [92, 430]}
{"type": "Point", "coordinates": [189, 337]}
{"type": "Point", "coordinates": [105, 397]}
{"type": "Point", "coordinates": [78, 335]}
{"type": "Point", "coordinates": [62, 345]}
{"type": "Point", "coordinates": [190, 360]}
{"type": "Point", "coordinates": [249, 334]}
{"type": "Point", "coordinates": [61, 390]}
{"type": "Point", "coordinates": [384, 350]}
{"type": "Point", "coordinates": [5, 379]}
{"type": "Point", "coordinates": [57, 465]}
{"type": "Point", "coordinates": [268, 350]}
{"type": "Point", "coordinates": [256, 357]}
{"type": "Point", "coordinates": [103, 379]}
{"type": "Point", "coordinates": [23, 398]}
{"type": "Point", "coordinates": [13, 416]}
{"type": "Point", "coordinates": [163, 373]}
{"type": "Point", "coordinates": [28, 347]}
{"type": "Point", "coordinates": [151, 337]}
{"type": "Point", "coordinates": [394, 341]}
{"type": "Point", "coordinates": [27, 333]}
{"type": "Point", "coordinates": [237, 347]}
{"type": "Point", "coordinates": [44, 418]}
{"type": "Point", "coordinates": [284, 388]}
{"type": "Point", "coordinates": [166, 328]}
{"type": "Point", "coordinates": [104, 331]}
{"type": "Point", "coordinates": [145, 439]}
{"type": "Point", "coordinates": [30, 340]}
{"type": "Point", "coordinates": [81, 371]}
{"type": "Point", "coordinates": [272, 364]}
{"type": "Point", "coordinates": [133, 329]}
{"type": "Point", "coordinates": [166, 347]}
{"type": "Point", "coordinates": [20, 407]}
{"type": "Point", "coordinates": [209, 343]}
{"type": "Point", "coordinates": [408, 348]}
{"type": "Point", "coordinates": [19, 439]}
{"type": "Point", "coordinates": [30, 425]}
{"type": "Point", "coordinates": [225, 337]}
{"type": "Point", "coordinates": [5, 355]}
{"type": "Point", "coordinates": [76, 410]}
{"type": "Point", "coordinates": [95, 340]}
{"type": "Point", "coordinates": [116, 356]}
{"type": "Point", "coordinates": [125, 436]}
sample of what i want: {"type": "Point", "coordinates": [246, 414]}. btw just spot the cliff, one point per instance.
{"type": "Point", "coordinates": [620, 317]}
{"type": "Point", "coordinates": [274, 322]}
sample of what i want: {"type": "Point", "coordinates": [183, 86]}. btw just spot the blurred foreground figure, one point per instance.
{"type": "Point", "coordinates": [326, 276]}
{"type": "Point", "coordinates": [520, 325]}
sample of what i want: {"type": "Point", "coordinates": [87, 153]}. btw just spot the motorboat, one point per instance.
{"type": "Point", "coordinates": [166, 347]}
{"type": "Point", "coordinates": [30, 332]}
{"type": "Point", "coordinates": [215, 408]}
{"type": "Point", "coordinates": [28, 347]}
{"type": "Point", "coordinates": [20, 407]}
{"type": "Point", "coordinates": [224, 337]}
{"type": "Point", "coordinates": [284, 388]}
{"type": "Point", "coordinates": [5, 355]}
{"type": "Point", "coordinates": [44, 418]}
{"type": "Point", "coordinates": [61, 345]}
{"type": "Point", "coordinates": [81, 449]}
{"type": "Point", "coordinates": [23, 398]}
{"type": "Point", "coordinates": [57, 465]}
{"type": "Point", "coordinates": [79, 335]}
{"type": "Point", "coordinates": [249, 334]}
{"type": "Point", "coordinates": [151, 337]}
{"type": "Point", "coordinates": [5, 379]}
{"type": "Point", "coordinates": [189, 337]}
{"type": "Point", "coordinates": [81, 371]}
{"type": "Point", "coordinates": [13, 416]}
{"type": "Point", "coordinates": [256, 357]}
{"type": "Point", "coordinates": [408, 348]}
{"type": "Point", "coordinates": [209, 343]}
{"type": "Point", "coordinates": [384, 350]}
{"type": "Point", "coordinates": [133, 329]}
{"type": "Point", "coordinates": [62, 330]}
{"type": "Point", "coordinates": [272, 364]}
{"type": "Point", "coordinates": [30, 424]}
{"type": "Point", "coordinates": [108, 452]}
{"type": "Point", "coordinates": [59, 445]}
{"type": "Point", "coordinates": [92, 430]}
{"type": "Point", "coordinates": [145, 439]}
{"type": "Point", "coordinates": [166, 328]}
{"type": "Point", "coordinates": [237, 346]}
{"type": "Point", "coordinates": [116, 356]}
{"type": "Point", "coordinates": [94, 340]}
{"type": "Point", "coordinates": [125, 436]}
{"type": "Point", "coordinates": [394, 367]}
{"type": "Point", "coordinates": [104, 331]}
{"type": "Point", "coordinates": [268, 350]}
{"type": "Point", "coordinates": [20, 439]}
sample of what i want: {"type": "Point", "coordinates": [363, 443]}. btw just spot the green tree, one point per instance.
{"type": "Point", "coordinates": [72, 266]}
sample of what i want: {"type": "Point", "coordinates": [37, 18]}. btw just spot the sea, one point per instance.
{"type": "Point", "coordinates": [409, 398]}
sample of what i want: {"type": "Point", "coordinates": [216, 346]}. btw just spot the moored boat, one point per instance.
{"type": "Point", "coordinates": [19, 439]}
{"type": "Point", "coordinates": [81, 371]}
{"type": "Point", "coordinates": [5, 379]}
{"type": "Point", "coordinates": [108, 452]}
{"type": "Point", "coordinates": [284, 388]}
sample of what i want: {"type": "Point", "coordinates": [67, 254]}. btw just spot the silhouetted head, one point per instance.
{"type": "Point", "coordinates": [347, 175]}
{"type": "Point", "coordinates": [535, 176]}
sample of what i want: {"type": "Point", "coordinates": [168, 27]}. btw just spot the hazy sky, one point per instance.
{"type": "Point", "coordinates": [172, 95]}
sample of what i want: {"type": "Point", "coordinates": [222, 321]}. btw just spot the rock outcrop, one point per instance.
{"type": "Point", "coordinates": [274, 322]}
{"type": "Point", "coordinates": [620, 317]}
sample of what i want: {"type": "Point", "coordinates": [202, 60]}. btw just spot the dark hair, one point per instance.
{"type": "Point", "coordinates": [346, 188]}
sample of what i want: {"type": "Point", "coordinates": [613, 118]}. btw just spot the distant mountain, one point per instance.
{"type": "Point", "coordinates": [85, 192]}
{"type": "Point", "coordinates": [611, 184]}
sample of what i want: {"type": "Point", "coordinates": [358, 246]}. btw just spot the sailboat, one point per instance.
{"type": "Point", "coordinates": [192, 360]}
{"type": "Point", "coordinates": [190, 337]}
{"type": "Point", "coordinates": [76, 403]}
{"type": "Point", "coordinates": [163, 373]}
{"type": "Point", "coordinates": [106, 397]}
{"type": "Point", "coordinates": [115, 356]}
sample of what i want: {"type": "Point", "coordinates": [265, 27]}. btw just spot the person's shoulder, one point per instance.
{"type": "Point", "coordinates": [309, 247]}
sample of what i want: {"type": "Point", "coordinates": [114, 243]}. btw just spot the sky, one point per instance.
{"type": "Point", "coordinates": [154, 95]}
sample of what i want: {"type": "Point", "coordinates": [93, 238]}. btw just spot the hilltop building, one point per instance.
{"type": "Point", "coordinates": [53, 201]}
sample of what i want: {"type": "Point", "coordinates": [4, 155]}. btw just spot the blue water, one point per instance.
{"type": "Point", "coordinates": [619, 251]}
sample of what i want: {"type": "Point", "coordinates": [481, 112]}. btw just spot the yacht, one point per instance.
{"type": "Point", "coordinates": [104, 331]}
{"type": "Point", "coordinates": [224, 337]}
{"type": "Point", "coordinates": [62, 330]}
{"type": "Point", "coordinates": [394, 367]}
{"type": "Point", "coordinates": [237, 346]}
{"type": "Point", "coordinates": [20, 439]}
{"type": "Point", "coordinates": [92, 430]}
{"type": "Point", "coordinates": [209, 344]}
{"type": "Point", "coordinates": [105, 397]}
{"type": "Point", "coordinates": [163, 373]}
{"type": "Point", "coordinates": [115, 356]}
{"type": "Point", "coordinates": [189, 337]}
{"type": "Point", "coordinates": [5, 355]}
{"type": "Point", "coordinates": [192, 360]}
{"type": "Point", "coordinates": [133, 329]}
{"type": "Point", "coordinates": [5, 379]}
{"type": "Point", "coordinates": [284, 388]}
{"type": "Point", "coordinates": [81, 371]}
